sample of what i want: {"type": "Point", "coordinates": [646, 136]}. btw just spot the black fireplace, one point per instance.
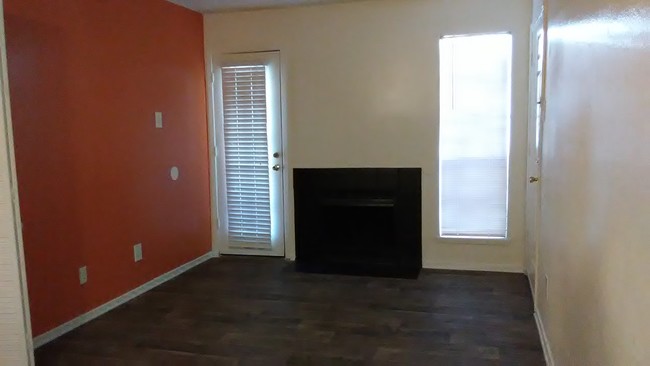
{"type": "Point", "coordinates": [364, 221]}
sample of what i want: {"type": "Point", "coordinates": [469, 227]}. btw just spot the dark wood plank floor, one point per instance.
{"type": "Point", "coordinates": [258, 311]}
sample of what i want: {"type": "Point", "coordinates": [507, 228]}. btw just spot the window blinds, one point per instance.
{"type": "Point", "coordinates": [474, 135]}
{"type": "Point", "coordinates": [246, 154]}
{"type": "Point", "coordinates": [14, 330]}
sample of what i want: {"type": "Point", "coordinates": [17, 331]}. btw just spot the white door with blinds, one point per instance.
{"type": "Point", "coordinates": [250, 158]}
{"type": "Point", "coordinates": [475, 94]}
{"type": "Point", "coordinates": [15, 332]}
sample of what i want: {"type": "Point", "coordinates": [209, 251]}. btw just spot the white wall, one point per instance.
{"type": "Point", "coordinates": [595, 223]}
{"type": "Point", "coordinates": [361, 87]}
{"type": "Point", "coordinates": [15, 333]}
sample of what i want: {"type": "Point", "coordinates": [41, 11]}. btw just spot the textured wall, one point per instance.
{"type": "Point", "coordinates": [361, 87]}
{"type": "Point", "coordinates": [86, 77]}
{"type": "Point", "coordinates": [596, 183]}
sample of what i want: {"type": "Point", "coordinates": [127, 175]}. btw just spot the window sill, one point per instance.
{"type": "Point", "coordinates": [473, 240]}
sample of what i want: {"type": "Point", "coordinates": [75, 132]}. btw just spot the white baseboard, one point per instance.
{"type": "Point", "coordinates": [546, 346]}
{"type": "Point", "coordinates": [473, 267]}
{"type": "Point", "coordinates": [103, 309]}
{"type": "Point", "coordinates": [532, 288]}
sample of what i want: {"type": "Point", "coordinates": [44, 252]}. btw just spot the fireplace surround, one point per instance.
{"type": "Point", "coordinates": [361, 221]}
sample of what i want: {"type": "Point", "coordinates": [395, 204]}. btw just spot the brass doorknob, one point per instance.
{"type": "Point", "coordinates": [533, 179]}
{"type": "Point", "coordinates": [276, 167]}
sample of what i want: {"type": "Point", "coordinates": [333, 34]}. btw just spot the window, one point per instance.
{"type": "Point", "coordinates": [475, 94]}
{"type": "Point", "coordinates": [247, 158]}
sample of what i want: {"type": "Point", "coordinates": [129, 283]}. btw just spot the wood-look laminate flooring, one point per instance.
{"type": "Point", "coordinates": [258, 311]}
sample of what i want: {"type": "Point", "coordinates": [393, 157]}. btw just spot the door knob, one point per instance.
{"type": "Point", "coordinates": [533, 179]}
{"type": "Point", "coordinates": [276, 167]}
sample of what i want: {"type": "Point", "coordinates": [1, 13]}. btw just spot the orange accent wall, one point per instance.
{"type": "Point", "coordinates": [86, 77]}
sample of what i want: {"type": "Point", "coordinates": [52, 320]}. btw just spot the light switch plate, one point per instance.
{"type": "Point", "coordinates": [83, 275]}
{"type": "Point", "coordinates": [159, 120]}
{"type": "Point", "coordinates": [137, 252]}
{"type": "Point", "coordinates": [546, 287]}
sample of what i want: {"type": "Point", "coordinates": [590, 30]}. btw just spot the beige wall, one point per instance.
{"type": "Point", "coordinates": [595, 224]}
{"type": "Point", "coordinates": [361, 87]}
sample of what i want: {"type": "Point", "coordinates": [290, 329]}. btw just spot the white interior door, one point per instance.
{"type": "Point", "coordinates": [535, 126]}
{"type": "Point", "coordinates": [249, 154]}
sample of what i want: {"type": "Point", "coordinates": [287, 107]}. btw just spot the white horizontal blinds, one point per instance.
{"type": "Point", "coordinates": [475, 135]}
{"type": "Point", "coordinates": [246, 154]}
{"type": "Point", "coordinates": [14, 331]}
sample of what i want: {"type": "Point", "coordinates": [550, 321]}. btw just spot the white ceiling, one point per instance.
{"type": "Point", "coordinates": [208, 6]}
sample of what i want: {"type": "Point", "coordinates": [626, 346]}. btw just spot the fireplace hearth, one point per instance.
{"type": "Point", "coordinates": [361, 221]}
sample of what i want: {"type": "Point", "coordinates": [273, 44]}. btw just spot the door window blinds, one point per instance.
{"type": "Point", "coordinates": [474, 135]}
{"type": "Point", "coordinates": [246, 154]}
